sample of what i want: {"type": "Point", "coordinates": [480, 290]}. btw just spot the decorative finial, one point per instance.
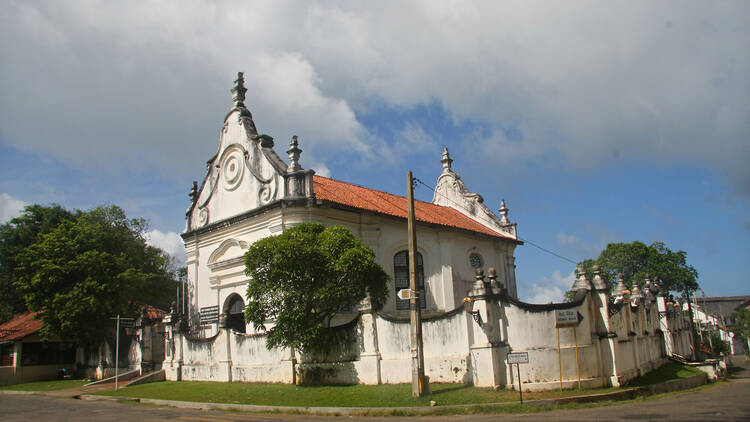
{"type": "Point", "coordinates": [478, 280]}
{"type": "Point", "coordinates": [503, 212]}
{"type": "Point", "coordinates": [494, 285]}
{"type": "Point", "coordinates": [581, 282]}
{"type": "Point", "coordinates": [648, 293]}
{"type": "Point", "coordinates": [294, 153]}
{"type": "Point", "coordinates": [239, 90]}
{"type": "Point", "coordinates": [620, 288]}
{"type": "Point", "coordinates": [446, 160]}
{"type": "Point", "coordinates": [597, 281]}
{"type": "Point", "coordinates": [193, 192]}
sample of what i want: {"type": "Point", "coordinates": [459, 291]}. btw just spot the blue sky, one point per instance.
{"type": "Point", "coordinates": [596, 123]}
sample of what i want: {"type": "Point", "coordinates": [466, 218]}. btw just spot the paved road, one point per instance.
{"type": "Point", "coordinates": [728, 402]}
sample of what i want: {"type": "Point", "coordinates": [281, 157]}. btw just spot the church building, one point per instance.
{"type": "Point", "coordinates": [249, 193]}
{"type": "Point", "coordinates": [471, 322]}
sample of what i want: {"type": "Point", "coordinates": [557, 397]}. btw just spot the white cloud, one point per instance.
{"type": "Point", "coordinates": [10, 207]}
{"type": "Point", "coordinates": [145, 84]}
{"type": "Point", "coordinates": [322, 170]}
{"type": "Point", "coordinates": [411, 139]}
{"type": "Point", "coordinates": [550, 289]}
{"type": "Point", "coordinates": [169, 242]}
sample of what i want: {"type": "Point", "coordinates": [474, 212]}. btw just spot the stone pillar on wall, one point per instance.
{"type": "Point", "coordinates": [487, 349]}
{"type": "Point", "coordinates": [636, 329]}
{"type": "Point", "coordinates": [605, 332]}
{"type": "Point", "coordinates": [225, 364]}
{"type": "Point", "coordinates": [173, 346]}
{"type": "Point", "coordinates": [370, 355]}
{"type": "Point", "coordinates": [664, 325]}
{"type": "Point", "coordinates": [289, 367]}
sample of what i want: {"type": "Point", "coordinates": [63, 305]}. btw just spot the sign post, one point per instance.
{"type": "Point", "coordinates": [518, 358]}
{"type": "Point", "coordinates": [568, 318]}
{"type": "Point", "coordinates": [126, 323]}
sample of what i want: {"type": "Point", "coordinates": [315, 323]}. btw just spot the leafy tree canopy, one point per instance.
{"type": "Point", "coordinates": [89, 268]}
{"type": "Point", "coordinates": [303, 277]}
{"type": "Point", "coordinates": [742, 326]}
{"type": "Point", "coordinates": [637, 260]}
{"type": "Point", "coordinates": [15, 236]}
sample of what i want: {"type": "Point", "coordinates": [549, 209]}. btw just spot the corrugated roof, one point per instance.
{"type": "Point", "coordinates": [20, 326]}
{"type": "Point", "coordinates": [386, 203]}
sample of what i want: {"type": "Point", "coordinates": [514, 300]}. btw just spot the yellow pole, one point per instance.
{"type": "Point", "coordinates": [578, 363]}
{"type": "Point", "coordinates": [559, 358]}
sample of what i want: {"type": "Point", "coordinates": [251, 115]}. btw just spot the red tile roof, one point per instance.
{"type": "Point", "coordinates": [20, 326]}
{"type": "Point", "coordinates": [386, 203]}
{"type": "Point", "coordinates": [153, 313]}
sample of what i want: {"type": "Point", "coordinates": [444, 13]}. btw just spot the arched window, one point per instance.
{"type": "Point", "coordinates": [401, 278]}
{"type": "Point", "coordinates": [236, 310]}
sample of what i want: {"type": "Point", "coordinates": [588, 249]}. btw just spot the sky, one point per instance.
{"type": "Point", "coordinates": [597, 122]}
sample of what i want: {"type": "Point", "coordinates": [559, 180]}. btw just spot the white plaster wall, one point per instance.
{"type": "Point", "coordinates": [201, 359]}
{"type": "Point", "coordinates": [447, 354]}
{"type": "Point", "coordinates": [445, 254]}
{"type": "Point", "coordinates": [253, 362]}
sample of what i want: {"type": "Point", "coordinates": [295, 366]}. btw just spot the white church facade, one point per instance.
{"type": "Point", "coordinates": [471, 322]}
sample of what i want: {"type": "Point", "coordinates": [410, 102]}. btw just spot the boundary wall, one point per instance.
{"type": "Point", "coordinates": [617, 339]}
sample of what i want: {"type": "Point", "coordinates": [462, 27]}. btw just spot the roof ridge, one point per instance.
{"type": "Point", "coordinates": [334, 190]}
{"type": "Point", "coordinates": [381, 191]}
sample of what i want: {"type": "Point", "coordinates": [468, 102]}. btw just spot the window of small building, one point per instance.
{"type": "Point", "coordinates": [6, 354]}
{"type": "Point", "coordinates": [401, 278]}
{"type": "Point", "coordinates": [47, 353]}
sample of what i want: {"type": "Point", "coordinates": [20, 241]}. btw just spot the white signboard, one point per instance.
{"type": "Point", "coordinates": [566, 318]}
{"type": "Point", "coordinates": [518, 357]}
{"type": "Point", "coordinates": [405, 294]}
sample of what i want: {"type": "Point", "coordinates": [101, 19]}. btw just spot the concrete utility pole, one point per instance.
{"type": "Point", "coordinates": [419, 384]}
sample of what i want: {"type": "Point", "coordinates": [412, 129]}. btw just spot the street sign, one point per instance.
{"type": "Point", "coordinates": [567, 318]}
{"type": "Point", "coordinates": [124, 323]}
{"type": "Point", "coordinates": [209, 315]}
{"type": "Point", "coordinates": [406, 294]}
{"type": "Point", "coordinates": [518, 357]}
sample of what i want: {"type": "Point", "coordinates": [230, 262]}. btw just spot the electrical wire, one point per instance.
{"type": "Point", "coordinates": [519, 238]}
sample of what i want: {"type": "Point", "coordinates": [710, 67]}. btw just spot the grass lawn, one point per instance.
{"type": "Point", "coordinates": [669, 371]}
{"type": "Point", "coordinates": [46, 385]}
{"type": "Point", "coordinates": [387, 395]}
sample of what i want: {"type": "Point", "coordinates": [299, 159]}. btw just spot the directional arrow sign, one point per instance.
{"type": "Point", "coordinates": [406, 294]}
{"type": "Point", "coordinates": [567, 318]}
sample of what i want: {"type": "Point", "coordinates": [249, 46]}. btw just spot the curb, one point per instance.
{"type": "Point", "coordinates": [626, 394]}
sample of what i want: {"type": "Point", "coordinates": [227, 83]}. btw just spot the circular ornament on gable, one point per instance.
{"type": "Point", "coordinates": [203, 217]}
{"type": "Point", "coordinates": [232, 169]}
{"type": "Point", "coordinates": [476, 260]}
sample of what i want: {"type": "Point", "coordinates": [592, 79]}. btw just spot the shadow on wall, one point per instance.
{"type": "Point", "coordinates": [328, 373]}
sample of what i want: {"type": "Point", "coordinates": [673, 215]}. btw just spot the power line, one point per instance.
{"type": "Point", "coordinates": [520, 238]}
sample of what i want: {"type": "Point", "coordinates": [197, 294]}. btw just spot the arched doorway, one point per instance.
{"type": "Point", "coordinates": [235, 309]}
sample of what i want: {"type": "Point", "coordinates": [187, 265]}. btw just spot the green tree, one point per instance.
{"type": "Point", "coordinates": [637, 260]}
{"type": "Point", "coordinates": [88, 269]}
{"type": "Point", "coordinates": [15, 236]}
{"type": "Point", "coordinates": [717, 345]}
{"type": "Point", "coordinates": [303, 277]}
{"type": "Point", "coordinates": [742, 326]}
